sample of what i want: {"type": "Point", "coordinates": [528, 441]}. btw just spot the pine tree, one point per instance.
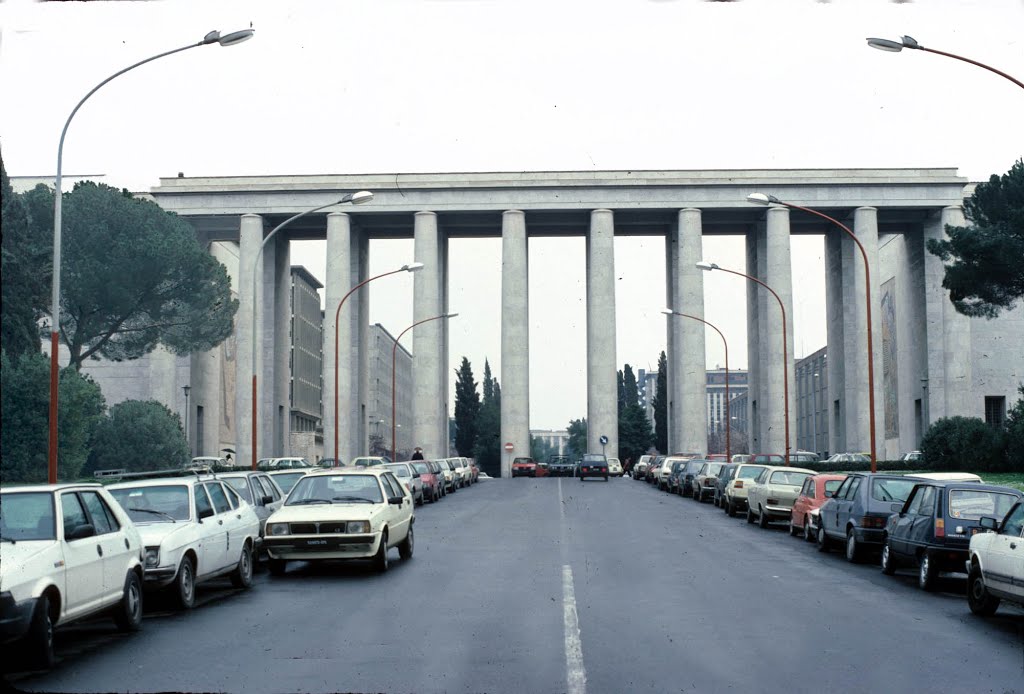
{"type": "Point", "coordinates": [467, 409]}
{"type": "Point", "coordinates": [488, 440]}
{"type": "Point", "coordinates": [635, 433]}
{"type": "Point", "coordinates": [661, 406]}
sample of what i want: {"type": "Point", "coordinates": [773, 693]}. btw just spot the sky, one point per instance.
{"type": "Point", "coordinates": [371, 86]}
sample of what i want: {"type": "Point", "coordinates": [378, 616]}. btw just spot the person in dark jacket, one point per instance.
{"type": "Point", "coordinates": [418, 454]}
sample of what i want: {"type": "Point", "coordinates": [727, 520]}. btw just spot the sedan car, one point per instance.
{"type": "Point", "coordinates": [857, 513]}
{"type": "Point", "coordinates": [370, 460]}
{"type": "Point", "coordinates": [194, 529]}
{"type": "Point", "coordinates": [69, 552]}
{"type": "Point", "coordinates": [773, 493]}
{"type": "Point", "coordinates": [848, 458]}
{"type": "Point", "coordinates": [734, 496]}
{"type": "Point", "coordinates": [995, 564]}
{"type": "Point", "coordinates": [561, 466]}
{"type": "Point", "coordinates": [688, 474]}
{"type": "Point", "coordinates": [282, 463]}
{"type": "Point", "coordinates": [593, 465]}
{"type": "Point", "coordinates": [933, 528]}
{"type": "Point", "coordinates": [342, 514]}
{"type": "Point", "coordinates": [804, 518]}
{"type": "Point", "coordinates": [703, 485]}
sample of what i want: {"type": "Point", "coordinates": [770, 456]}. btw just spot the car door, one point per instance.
{"type": "Point", "coordinates": [83, 559]}
{"type": "Point", "coordinates": [828, 515]}
{"type": "Point", "coordinates": [923, 523]}
{"type": "Point", "coordinates": [900, 535]}
{"type": "Point", "coordinates": [848, 504]}
{"type": "Point", "coordinates": [1004, 560]}
{"type": "Point", "coordinates": [228, 518]}
{"type": "Point", "coordinates": [241, 522]}
{"type": "Point", "coordinates": [400, 515]}
{"type": "Point", "coordinates": [113, 542]}
{"type": "Point", "coordinates": [213, 536]}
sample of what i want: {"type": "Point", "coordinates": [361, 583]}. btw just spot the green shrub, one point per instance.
{"type": "Point", "coordinates": [138, 436]}
{"type": "Point", "coordinates": [963, 443]}
{"type": "Point", "coordinates": [1015, 435]}
{"type": "Point", "coordinates": [881, 466]}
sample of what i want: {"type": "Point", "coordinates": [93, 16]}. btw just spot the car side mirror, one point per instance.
{"type": "Point", "coordinates": [267, 499]}
{"type": "Point", "coordinates": [396, 500]}
{"type": "Point", "coordinates": [989, 523]}
{"type": "Point", "coordinates": [415, 475]}
{"type": "Point", "coordinates": [205, 513]}
{"type": "Point", "coordinates": [82, 531]}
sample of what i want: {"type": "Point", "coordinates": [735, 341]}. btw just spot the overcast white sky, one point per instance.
{"type": "Point", "coordinates": [366, 86]}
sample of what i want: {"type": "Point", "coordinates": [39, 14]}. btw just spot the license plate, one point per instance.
{"type": "Point", "coordinates": [316, 543]}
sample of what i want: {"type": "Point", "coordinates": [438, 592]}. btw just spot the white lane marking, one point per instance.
{"type": "Point", "coordinates": [576, 675]}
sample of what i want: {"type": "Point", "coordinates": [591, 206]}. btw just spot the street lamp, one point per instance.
{"type": "Point", "coordinates": [187, 440]}
{"type": "Point", "coordinates": [411, 267]}
{"type": "Point", "coordinates": [358, 198]}
{"type": "Point", "coordinates": [394, 355]}
{"type": "Point", "coordinates": [814, 410]}
{"type": "Point", "coordinates": [704, 265]}
{"type": "Point", "coordinates": [909, 42]}
{"type": "Point", "coordinates": [762, 199]}
{"type": "Point", "coordinates": [728, 423]}
{"type": "Point", "coordinates": [212, 37]}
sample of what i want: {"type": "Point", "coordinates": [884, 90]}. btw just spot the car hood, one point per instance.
{"type": "Point", "coordinates": [156, 534]}
{"type": "Point", "coordinates": [26, 558]}
{"type": "Point", "coordinates": [315, 512]}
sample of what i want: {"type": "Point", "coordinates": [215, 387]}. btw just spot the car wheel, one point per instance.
{"type": "Point", "coordinates": [606, 478]}
{"type": "Point", "coordinates": [981, 602]}
{"type": "Point", "coordinates": [380, 560]}
{"type": "Point", "coordinates": [731, 508]}
{"type": "Point", "coordinates": [808, 533]}
{"type": "Point", "coordinates": [750, 516]}
{"type": "Point", "coordinates": [128, 612]}
{"type": "Point", "coordinates": [888, 564]}
{"type": "Point", "coordinates": [38, 641]}
{"type": "Point", "coordinates": [277, 567]}
{"type": "Point", "coordinates": [185, 585]}
{"type": "Point", "coordinates": [241, 577]}
{"type": "Point", "coordinates": [926, 573]}
{"type": "Point", "coordinates": [822, 538]}
{"type": "Point", "coordinates": [793, 530]}
{"type": "Point", "coordinates": [581, 478]}
{"type": "Point", "coordinates": [762, 519]}
{"type": "Point", "coordinates": [405, 549]}
{"type": "Point", "coordinates": [853, 553]}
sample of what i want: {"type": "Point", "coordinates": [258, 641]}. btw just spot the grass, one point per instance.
{"type": "Point", "coordinates": [1007, 479]}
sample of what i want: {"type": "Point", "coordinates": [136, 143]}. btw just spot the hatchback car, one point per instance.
{"type": "Point", "coordinates": [593, 465]}
{"type": "Point", "coordinates": [524, 467]}
{"type": "Point", "coordinates": [194, 529]}
{"type": "Point", "coordinates": [69, 552]}
{"type": "Point", "coordinates": [703, 485]}
{"type": "Point", "coordinates": [858, 511]}
{"type": "Point", "coordinates": [370, 460]}
{"type": "Point", "coordinates": [430, 479]}
{"type": "Point", "coordinates": [259, 490]}
{"type": "Point", "coordinates": [725, 475]}
{"type": "Point", "coordinates": [734, 496]}
{"type": "Point", "coordinates": [995, 565]}
{"type": "Point", "coordinates": [342, 514]}
{"type": "Point", "coordinates": [409, 478]}
{"type": "Point", "coordinates": [804, 518]}
{"type": "Point", "coordinates": [933, 529]}
{"type": "Point", "coordinates": [771, 496]}
{"type": "Point", "coordinates": [675, 467]}
{"type": "Point", "coordinates": [614, 467]}
{"type": "Point", "coordinates": [688, 474]}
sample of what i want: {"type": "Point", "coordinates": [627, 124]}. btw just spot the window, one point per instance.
{"type": "Point", "coordinates": [809, 491]}
{"type": "Point", "coordinates": [851, 493]}
{"type": "Point", "coordinates": [268, 487]}
{"type": "Point", "coordinates": [995, 410]}
{"type": "Point", "coordinates": [1014, 525]}
{"type": "Point", "coordinates": [74, 514]}
{"type": "Point", "coordinates": [915, 501]}
{"type": "Point", "coordinates": [240, 485]}
{"type": "Point", "coordinates": [102, 517]}
{"type": "Point", "coordinates": [203, 505]}
{"type": "Point", "coordinates": [27, 516]}
{"type": "Point", "coordinates": [843, 488]}
{"type": "Point", "coordinates": [970, 504]}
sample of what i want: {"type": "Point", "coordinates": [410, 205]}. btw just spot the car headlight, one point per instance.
{"type": "Point", "coordinates": [358, 526]}
{"type": "Point", "coordinates": [152, 557]}
{"type": "Point", "coordinates": [278, 529]}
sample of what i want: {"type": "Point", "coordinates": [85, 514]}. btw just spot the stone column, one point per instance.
{"type": "Point", "coordinates": [362, 334]}
{"type": "Point", "coordinates": [673, 360]}
{"type": "Point", "coordinates": [691, 382]}
{"type": "Point", "coordinates": [265, 362]}
{"type": "Point", "coordinates": [444, 373]}
{"type": "Point", "coordinates": [250, 236]}
{"type": "Point", "coordinates": [337, 283]}
{"type": "Point", "coordinates": [515, 337]}
{"type": "Point", "coordinates": [428, 360]}
{"type": "Point", "coordinates": [858, 433]}
{"type": "Point", "coordinates": [949, 333]}
{"type": "Point", "coordinates": [779, 276]}
{"type": "Point", "coordinates": [834, 317]}
{"type": "Point", "coordinates": [602, 391]}
{"type": "Point", "coordinates": [281, 333]}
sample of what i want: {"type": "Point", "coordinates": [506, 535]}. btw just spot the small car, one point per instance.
{"type": "Point", "coordinates": [524, 467]}
{"type": "Point", "coordinates": [614, 467]}
{"type": "Point", "coordinates": [687, 475]}
{"type": "Point", "coordinates": [704, 481]}
{"type": "Point", "coordinates": [725, 475]}
{"type": "Point", "coordinates": [767, 458]}
{"type": "Point", "coordinates": [451, 480]}
{"type": "Point", "coordinates": [913, 457]}
{"type": "Point", "coordinates": [675, 469]}
{"type": "Point", "coordinates": [346, 513]}
{"type": "Point", "coordinates": [209, 462]}
{"type": "Point", "coordinates": [282, 463]}
{"type": "Point", "coordinates": [848, 458]}
{"type": "Point", "coordinates": [259, 490]}
{"type": "Point", "coordinates": [439, 471]}
{"type": "Point", "coordinates": [286, 479]}
{"type": "Point", "coordinates": [194, 529]}
{"type": "Point", "coordinates": [593, 465]}
{"type": "Point", "coordinates": [370, 460]}
{"type": "Point", "coordinates": [429, 478]}
{"type": "Point", "coordinates": [560, 466]}
{"type": "Point", "coordinates": [409, 478]}
{"type": "Point", "coordinates": [803, 520]}
{"type": "Point", "coordinates": [859, 510]}
{"type": "Point", "coordinates": [55, 572]}
{"type": "Point", "coordinates": [773, 493]}
{"type": "Point", "coordinates": [995, 563]}
{"type": "Point", "coordinates": [734, 496]}
{"type": "Point", "coordinates": [640, 468]}
{"type": "Point", "coordinates": [803, 457]}
{"type": "Point", "coordinates": [932, 530]}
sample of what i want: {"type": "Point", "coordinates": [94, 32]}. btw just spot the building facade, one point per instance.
{"type": "Point", "coordinates": [384, 353]}
{"type": "Point", "coordinates": [812, 404]}
{"type": "Point", "coordinates": [306, 366]}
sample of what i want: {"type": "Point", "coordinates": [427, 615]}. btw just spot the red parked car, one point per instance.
{"type": "Point", "coordinates": [431, 484]}
{"type": "Point", "coordinates": [525, 467]}
{"type": "Point", "coordinates": [813, 494]}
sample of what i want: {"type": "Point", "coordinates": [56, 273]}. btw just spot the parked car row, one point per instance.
{"type": "Point", "coordinates": [590, 465]}
{"type": "Point", "coordinates": [77, 550]}
{"type": "Point", "coordinates": [931, 522]}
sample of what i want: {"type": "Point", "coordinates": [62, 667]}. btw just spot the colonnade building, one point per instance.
{"type": "Point", "coordinates": [947, 361]}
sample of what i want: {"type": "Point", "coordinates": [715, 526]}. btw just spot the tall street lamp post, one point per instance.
{"type": "Point", "coordinates": [359, 198]}
{"type": "Point", "coordinates": [762, 199]}
{"type": "Point", "coordinates": [212, 37]}
{"type": "Point", "coordinates": [728, 421]}
{"type": "Point", "coordinates": [187, 439]}
{"type": "Point", "coordinates": [411, 267]}
{"type": "Point", "coordinates": [909, 42]}
{"type": "Point", "coordinates": [814, 410]}
{"type": "Point", "coordinates": [394, 355]}
{"type": "Point", "coordinates": [704, 265]}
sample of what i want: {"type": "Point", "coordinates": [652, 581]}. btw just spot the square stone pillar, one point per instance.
{"type": "Point", "coordinates": [602, 390]}
{"type": "Point", "coordinates": [515, 338]}
{"type": "Point", "coordinates": [834, 316]}
{"type": "Point", "coordinates": [779, 346]}
{"type": "Point", "coordinates": [429, 360]}
{"type": "Point", "coordinates": [337, 284]}
{"type": "Point", "coordinates": [673, 358]}
{"type": "Point", "coordinates": [858, 436]}
{"type": "Point", "coordinates": [691, 382]}
{"type": "Point", "coordinates": [280, 419]}
{"type": "Point", "coordinates": [250, 236]}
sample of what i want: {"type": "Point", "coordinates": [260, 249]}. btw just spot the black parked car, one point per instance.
{"type": "Point", "coordinates": [858, 511]}
{"type": "Point", "coordinates": [932, 529]}
{"type": "Point", "coordinates": [673, 476]}
{"type": "Point", "coordinates": [687, 475]}
{"type": "Point", "coordinates": [593, 465]}
{"type": "Point", "coordinates": [726, 474]}
{"type": "Point", "coordinates": [561, 466]}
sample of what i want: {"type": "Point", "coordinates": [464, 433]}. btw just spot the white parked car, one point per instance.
{"type": "Point", "coordinates": [463, 475]}
{"type": "Point", "coordinates": [207, 462]}
{"type": "Point", "coordinates": [995, 564]}
{"type": "Point", "coordinates": [774, 492]}
{"type": "Point", "coordinates": [282, 463]}
{"type": "Point", "coordinates": [342, 513]}
{"type": "Point", "coordinates": [68, 551]}
{"type": "Point", "coordinates": [614, 467]}
{"type": "Point", "coordinates": [259, 491]}
{"type": "Point", "coordinates": [194, 528]}
{"type": "Point", "coordinates": [286, 479]}
{"type": "Point", "coordinates": [641, 466]}
{"type": "Point", "coordinates": [410, 479]}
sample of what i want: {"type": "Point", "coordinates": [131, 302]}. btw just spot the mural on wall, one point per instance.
{"type": "Point", "coordinates": [227, 391]}
{"type": "Point", "coordinates": [890, 374]}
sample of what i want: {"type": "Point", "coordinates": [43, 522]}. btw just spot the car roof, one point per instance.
{"type": "Point", "coordinates": [376, 472]}
{"type": "Point", "coordinates": [162, 482]}
{"type": "Point", "coordinates": [967, 486]}
{"type": "Point", "coordinates": [60, 486]}
{"type": "Point", "coordinates": [773, 468]}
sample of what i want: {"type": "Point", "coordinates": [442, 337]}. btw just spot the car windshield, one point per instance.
{"type": "Point", "coordinates": [27, 516]}
{"type": "Point", "coordinates": [789, 477]}
{"type": "Point", "coordinates": [157, 504]}
{"type": "Point", "coordinates": [972, 504]}
{"type": "Point", "coordinates": [749, 472]}
{"type": "Point", "coordinates": [400, 470]}
{"type": "Point", "coordinates": [331, 489]}
{"type": "Point", "coordinates": [693, 466]}
{"type": "Point", "coordinates": [287, 480]}
{"type": "Point", "coordinates": [833, 485]}
{"type": "Point", "coordinates": [891, 490]}
{"type": "Point", "coordinates": [713, 469]}
{"type": "Point", "coordinates": [240, 485]}
{"type": "Point", "coordinates": [422, 468]}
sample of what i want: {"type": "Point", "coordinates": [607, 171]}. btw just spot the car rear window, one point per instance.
{"type": "Point", "coordinates": [287, 480]}
{"type": "Point", "coordinates": [713, 469]}
{"type": "Point", "coordinates": [421, 468]}
{"type": "Point", "coordinates": [240, 485]}
{"type": "Point", "coordinates": [788, 477]}
{"type": "Point", "coordinates": [399, 470]}
{"type": "Point", "coordinates": [891, 490]}
{"type": "Point", "coordinates": [972, 504]}
{"type": "Point", "coordinates": [749, 472]}
{"type": "Point", "coordinates": [833, 485]}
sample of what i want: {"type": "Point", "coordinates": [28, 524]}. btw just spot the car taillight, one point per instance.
{"type": "Point", "coordinates": [773, 501]}
{"type": "Point", "coordinates": [940, 527]}
{"type": "Point", "coordinates": [872, 522]}
{"type": "Point", "coordinates": [738, 485]}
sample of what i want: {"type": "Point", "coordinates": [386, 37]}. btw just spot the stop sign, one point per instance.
{"type": "Point", "coordinates": [509, 446]}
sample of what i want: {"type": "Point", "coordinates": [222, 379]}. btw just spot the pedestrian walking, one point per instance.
{"type": "Point", "coordinates": [417, 454]}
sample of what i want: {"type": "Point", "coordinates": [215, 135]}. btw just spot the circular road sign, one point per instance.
{"type": "Point", "coordinates": [509, 446]}
{"type": "Point", "coordinates": [603, 440]}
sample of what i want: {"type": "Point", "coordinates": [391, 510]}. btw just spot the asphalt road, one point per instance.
{"type": "Point", "coordinates": [559, 586]}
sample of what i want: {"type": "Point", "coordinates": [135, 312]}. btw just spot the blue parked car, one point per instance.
{"type": "Point", "coordinates": [932, 530]}
{"type": "Point", "coordinates": [857, 513]}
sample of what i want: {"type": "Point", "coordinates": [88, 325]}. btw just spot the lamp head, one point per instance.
{"type": "Point", "coordinates": [360, 198]}
{"type": "Point", "coordinates": [412, 267]}
{"type": "Point", "coordinates": [762, 199]}
{"type": "Point", "coordinates": [667, 311]}
{"type": "Point", "coordinates": [894, 46]}
{"type": "Point", "coordinates": [450, 315]}
{"type": "Point", "coordinates": [705, 265]}
{"type": "Point", "coordinates": [229, 40]}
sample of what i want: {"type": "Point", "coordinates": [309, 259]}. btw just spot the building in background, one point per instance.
{"type": "Point", "coordinates": [556, 440]}
{"type": "Point", "coordinates": [305, 363]}
{"type": "Point", "coordinates": [382, 344]}
{"type": "Point", "coordinates": [647, 387]}
{"type": "Point", "coordinates": [812, 403]}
